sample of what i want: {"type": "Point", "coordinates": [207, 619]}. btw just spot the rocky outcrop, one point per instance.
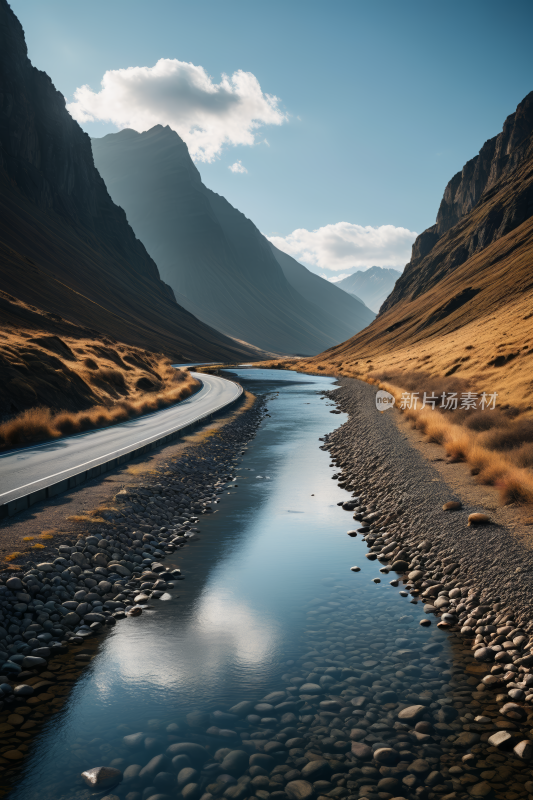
{"type": "Point", "coordinates": [66, 247]}
{"type": "Point", "coordinates": [490, 197]}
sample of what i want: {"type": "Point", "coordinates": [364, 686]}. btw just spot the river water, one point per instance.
{"type": "Point", "coordinates": [268, 579]}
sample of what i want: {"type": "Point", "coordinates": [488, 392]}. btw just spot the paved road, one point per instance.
{"type": "Point", "coordinates": [33, 468]}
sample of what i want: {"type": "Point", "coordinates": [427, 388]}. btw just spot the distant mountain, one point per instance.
{"type": "Point", "coordinates": [373, 285]}
{"type": "Point", "coordinates": [219, 265]}
{"type": "Point", "coordinates": [67, 249]}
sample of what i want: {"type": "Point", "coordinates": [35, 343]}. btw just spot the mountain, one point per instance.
{"type": "Point", "coordinates": [464, 304]}
{"type": "Point", "coordinates": [68, 254]}
{"type": "Point", "coordinates": [322, 292]}
{"type": "Point", "coordinates": [372, 285]}
{"type": "Point", "coordinates": [219, 265]}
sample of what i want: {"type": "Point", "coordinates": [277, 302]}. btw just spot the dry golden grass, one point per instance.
{"type": "Point", "coordinates": [42, 423]}
{"type": "Point", "coordinates": [493, 466]}
{"type": "Point", "coordinates": [140, 469]}
{"type": "Point", "coordinates": [12, 556]}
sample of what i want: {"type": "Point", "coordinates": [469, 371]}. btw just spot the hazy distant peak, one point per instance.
{"type": "Point", "coordinates": [372, 285]}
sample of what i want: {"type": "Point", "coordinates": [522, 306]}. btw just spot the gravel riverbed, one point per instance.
{"type": "Point", "coordinates": [427, 699]}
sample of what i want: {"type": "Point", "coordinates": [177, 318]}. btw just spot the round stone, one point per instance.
{"type": "Point", "coordinates": [311, 688]}
{"type": "Point", "coordinates": [235, 763]}
{"type": "Point", "coordinates": [299, 790]}
{"type": "Point", "coordinates": [411, 713]}
{"type": "Point", "coordinates": [386, 755]}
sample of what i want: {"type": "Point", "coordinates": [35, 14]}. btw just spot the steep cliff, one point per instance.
{"type": "Point", "coordinates": [65, 247]}
{"type": "Point", "coordinates": [464, 305]}
{"type": "Point", "coordinates": [496, 185]}
{"type": "Point", "coordinates": [219, 265]}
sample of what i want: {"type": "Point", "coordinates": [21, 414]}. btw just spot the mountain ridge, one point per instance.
{"type": "Point", "coordinates": [219, 264]}
{"type": "Point", "coordinates": [68, 249]}
{"type": "Point", "coordinates": [463, 304]}
{"type": "Point", "coordinates": [438, 251]}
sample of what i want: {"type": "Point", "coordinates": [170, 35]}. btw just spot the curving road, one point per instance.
{"type": "Point", "coordinates": [32, 469]}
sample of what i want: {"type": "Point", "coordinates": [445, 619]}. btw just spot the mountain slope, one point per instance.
{"type": "Point", "coordinates": [317, 290]}
{"type": "Point", "coordinates": [66, 248]}
{"type": "Point", "coordinates": [464, 304]}
{"type": "Point", "coordinates": [217, 262]}
{"type": "Point", "coordinates": [372, 285]}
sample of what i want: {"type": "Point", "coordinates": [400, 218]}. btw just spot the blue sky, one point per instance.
{"type": "Point", "coordinates": [379, 103]}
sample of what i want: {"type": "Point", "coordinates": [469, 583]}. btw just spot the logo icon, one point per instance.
{"type": "Point", "coordinates": [384, 400]}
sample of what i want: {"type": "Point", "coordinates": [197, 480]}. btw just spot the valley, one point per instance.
{"type": "Point", "coordinates": [266, 489]}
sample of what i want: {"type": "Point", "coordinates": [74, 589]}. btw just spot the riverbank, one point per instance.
{"type": "Point", "coordinates": [490, 556]}
{"type": "Point", "coordinates": [376, 701]}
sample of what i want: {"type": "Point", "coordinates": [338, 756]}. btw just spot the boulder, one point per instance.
{"type": "Point", "coordinates": [102, 777]}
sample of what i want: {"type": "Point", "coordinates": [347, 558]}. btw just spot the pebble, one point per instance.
{"type": "Point", "coordinates": [478, 519]}
{"type": "Point", "coordinates": [499, 739]}
{"type": "Point", "coordinates": [299, 790]}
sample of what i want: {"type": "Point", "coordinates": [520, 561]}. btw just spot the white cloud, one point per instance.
{"type": "Point", "coordinates": [237, 167]}
{"type": "Point", "coordinates": [205, 114]}
{"type": "Point", "coordinates": [346, 246]}
{"type": "Point", "coordinates": [337, 278]}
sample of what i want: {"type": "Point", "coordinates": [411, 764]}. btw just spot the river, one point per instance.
{"type": "Point", "coordinates": [267, 580]}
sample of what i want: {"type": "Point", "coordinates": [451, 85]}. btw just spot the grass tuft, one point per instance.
{"type": "Point", "coordinates": [41, 423]}
{"type": "Point", "coordinates": [497, 453]}
{"type": "Point", "coordinates": [12, 556]}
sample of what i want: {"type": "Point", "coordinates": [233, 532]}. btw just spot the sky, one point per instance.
{"type": "Point", "coordinates": [334, 126]}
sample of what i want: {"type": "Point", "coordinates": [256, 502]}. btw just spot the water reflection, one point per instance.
{"type": "Point", "coordinates": [268, 589]}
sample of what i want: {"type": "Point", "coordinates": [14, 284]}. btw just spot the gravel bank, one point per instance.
{"type": "Point", "coordinates": [396, 480]}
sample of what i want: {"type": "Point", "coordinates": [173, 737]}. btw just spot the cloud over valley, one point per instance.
{"type": "Point", "coordinates": [345, 246]}
{"type": "Point", "coordinates": [207, 115]}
